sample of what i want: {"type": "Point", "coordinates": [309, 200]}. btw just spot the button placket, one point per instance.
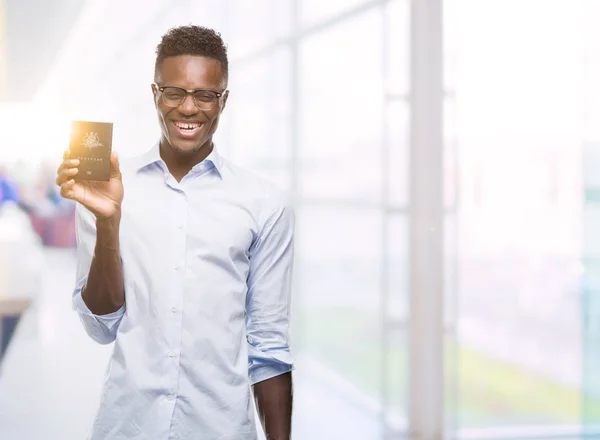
{"type": "Point", "coordinates": [178, 228]}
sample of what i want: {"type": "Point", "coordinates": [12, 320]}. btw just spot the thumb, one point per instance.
{"type": "Point", "coordinates": [115, 169]}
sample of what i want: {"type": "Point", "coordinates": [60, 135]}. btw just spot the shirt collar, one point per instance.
{"type": "Point", "coordinates": [152, 156]}
{"type": "Point", "coordinates": [149, 157]}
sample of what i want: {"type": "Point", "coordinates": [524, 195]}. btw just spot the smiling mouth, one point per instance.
{"type": "Point", "coordinates": [187, 129]}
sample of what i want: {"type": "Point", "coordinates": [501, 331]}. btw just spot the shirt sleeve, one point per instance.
{"type": "Point", "coordinates": [101, 328]}
{"type": "Point", "coordinates": [269, 296]}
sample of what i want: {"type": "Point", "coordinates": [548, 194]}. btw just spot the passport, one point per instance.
{"type": "Point", "coordinates": [91, 143]}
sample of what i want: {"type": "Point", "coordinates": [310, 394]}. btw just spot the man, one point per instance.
{"type": "Point", "coordinates": [185, 262]}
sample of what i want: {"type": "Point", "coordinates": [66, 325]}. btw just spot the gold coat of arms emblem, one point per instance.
{"type": "Point", "coordinates": [91, 140]}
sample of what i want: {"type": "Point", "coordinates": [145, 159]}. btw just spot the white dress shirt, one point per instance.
{"type": "Point", "coordinates": [207, 267]}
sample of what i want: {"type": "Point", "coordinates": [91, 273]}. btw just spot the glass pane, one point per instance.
{"type": "Point", "coordinates": [591, 324]}
{"type": "Point", "coordinates": [518, 300]}
{"type": "Point", "coordinates": [395, 308]}
{"type": "Point", "coordinates": [592, 71]}
{"type": "Point", "coordinates": [341, 111]}
{"type": "Point", "coordinates": [254, 24]}
{"type": "Point", "coordinates": [451, 54]}
{"type": "Point", "coordinates": [397, 268]}
{"type": "Point", "coordinates": [312, 11]}
{"type": "Point", "coordinates": [519, 250]}
{"type": "Point", "coordinates": [395, 379]}
{"type": "Point", "coordinates": [341, 264]}
{"type": "Point", "coordinates": [450, 154]}
{"type": "Point", "coordinates": [590, 276]}
{"type": "Point", "coordinates": [520, 220]}
{"type": "Point", "coordinates": [451, 352]}
{"type": "Point", "coordinates": [397, 16]}
{"type": "Point", "coordinates": [3, 55]}
{"type": "Point", "coordinates": [258, 116]}
{"type": "Point", "coordinates": [398, 154]}
{"type": "Point", "coordinates": [451, 262]}
{"type": "Point", "coordinates": [339, 253]}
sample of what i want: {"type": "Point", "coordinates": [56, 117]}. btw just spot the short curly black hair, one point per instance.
{"type": "Point", "coordinates": [193, 40]}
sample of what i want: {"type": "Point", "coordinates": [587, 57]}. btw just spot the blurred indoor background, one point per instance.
{"type": "Point", "coordinates": [443, 157]}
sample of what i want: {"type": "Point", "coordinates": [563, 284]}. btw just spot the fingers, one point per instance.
{"type": "Point", "coordinates": [66, 189]}
{"type": "Point", "coordinates": [64, 175]}
{"type": "Point", "coordinates": [66, 171]}
{"type": "Point", "coordinates": [66, 156]}
{"type": "Point", "coordinates": [67, 164]}
{"type": "Point", "coordinates": [115, 168]}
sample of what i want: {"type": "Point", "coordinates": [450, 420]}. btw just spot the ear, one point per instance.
{"type": "Point", "coordinates": [225, 96]}
{"type": "Point", "coordinates": [154, 93]}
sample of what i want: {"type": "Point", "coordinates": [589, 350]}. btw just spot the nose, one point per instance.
{"type": "Point", "coordinates": [188, 107]}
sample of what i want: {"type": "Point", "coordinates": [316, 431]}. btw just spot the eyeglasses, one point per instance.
{"type": "Point", "coordinates": [204, 99]}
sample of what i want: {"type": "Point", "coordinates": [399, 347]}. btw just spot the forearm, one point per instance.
{"type": "Point", "coordinates": [274, 399]}
{"type": "Point", "coordinates": [104, 291]}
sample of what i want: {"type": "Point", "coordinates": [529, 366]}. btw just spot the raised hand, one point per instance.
{"type": "Point", "coordinates": [103, 199]}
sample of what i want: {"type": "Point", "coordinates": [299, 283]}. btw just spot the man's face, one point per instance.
{"type": "Point", "coordinates": [187, 128]}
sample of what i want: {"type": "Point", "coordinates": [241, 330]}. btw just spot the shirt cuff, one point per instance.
{"type": "Point", "coordinates": [80, 306]}
{"type": "Point", "coordinates": [265, 365]}
{"type": "Point", "coordinates": [263, 372]}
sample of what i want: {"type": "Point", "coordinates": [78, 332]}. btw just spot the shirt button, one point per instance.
{"type": "Point", "coordinates": [177, 268]}
{"type": "Point", "coordinates": [171, 354]}
{"type": "Point", "coordinates": [174, 309]}
{"type": "Point", "coordinates": [179, 226]}
{"type": "Point", "coordinates": [169, 397]}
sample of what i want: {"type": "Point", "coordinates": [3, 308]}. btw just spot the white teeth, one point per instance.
{"type": "Point", "coordinates": [187, 126]}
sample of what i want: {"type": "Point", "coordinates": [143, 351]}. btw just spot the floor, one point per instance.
{"type": "Point", "coordinates": [51, 376]}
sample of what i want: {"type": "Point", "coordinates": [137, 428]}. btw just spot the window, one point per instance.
{"type": "Point", "coordinates": [398, 153]}
{"type": "Point", "coordinates": [590, 268]}
{"type": "Point", "coordinates": [253, 25]}
{"type": "Point", "coordinates": [340, 278]}
{"type": "Point", "coordinates": [341, 111]}
{"type": "Point", "coordinates": [397, 16]}
{"type": "Point", "coordinates": [518, 98]}
{"type": "Point", "coordinates": [259, 116]}
{"type": "Point", "coordinates": [315, 11]}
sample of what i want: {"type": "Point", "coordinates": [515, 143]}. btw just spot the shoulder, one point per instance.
{"type": "Point", "coordinates": [130, 165]}
{"type": "Point", "coordinates": [268, 197]}
{"type": "Point", "coordinates": [254, 185]}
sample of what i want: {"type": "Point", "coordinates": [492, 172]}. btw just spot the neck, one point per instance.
{"type": "Point", "coordinates": [180, 164]}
